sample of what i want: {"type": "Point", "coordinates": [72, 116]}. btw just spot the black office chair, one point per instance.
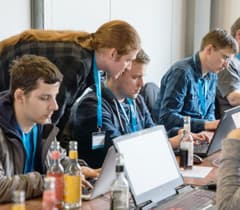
{"type": "Point", "coordinates": [150, 92]}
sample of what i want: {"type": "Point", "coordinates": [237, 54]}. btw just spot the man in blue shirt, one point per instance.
{"type": "Point", "coordinates": [188, 88]}
{"type": "Point", "coordinates": [228, 88]}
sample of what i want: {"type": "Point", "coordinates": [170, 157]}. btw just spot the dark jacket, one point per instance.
{"type": "Point", "coordinates": [74, 62]}
{"type": "Point", "coordinates": [83, 121]}
{"type": "Point", "coordinates": [12, 154]}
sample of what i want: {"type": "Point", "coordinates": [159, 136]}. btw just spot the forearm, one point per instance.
{"type": "Point", "coordinates": [31, 183]}
{"type": "Point", "coordinates": [234, 98]}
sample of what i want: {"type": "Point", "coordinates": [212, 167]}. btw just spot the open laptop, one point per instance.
{"type": "Point", "coordinates": [153, 173]}
{"type": "Point", "coordinates": [107, 175]}
{"type": "Point", "coordinates": [226, 124]}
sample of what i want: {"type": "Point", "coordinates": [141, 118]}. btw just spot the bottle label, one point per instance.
{"type": "Point", "coordinates": [49, 200]}
{"type": "Point", "coordinates": [120, 200]}
{"type": "Point", "coordinates": [59, 185]}
{"type": "Point", "coordinates": [18, 207]}
{"type": "Point", "coordinates": [73, 154]}
{"type": "Point", "coordinates": [73, 189]}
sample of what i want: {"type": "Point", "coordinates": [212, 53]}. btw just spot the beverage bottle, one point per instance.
{"type": "Point", "coordinates": [73, 179]}
{"type": "Point", "coordinates": [186, 145]}
{"type": "Point", "coordinates": [56, 170]}
{"type": "Point", "coordinates": [49, 196]}
{"type": "Point", "coordinates": [120, 187]}
{"type": "Point", "coordinates": [18, 199]}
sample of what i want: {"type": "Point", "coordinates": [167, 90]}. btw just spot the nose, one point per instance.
{"type": "Point", "coordinates": [225, 64]}
{"type": "Point", "coordinates": [141, 82]}
{"type": "Point", "coordinates": [53, 105]}
{"type": "Point", "coordinates": [129, 66]}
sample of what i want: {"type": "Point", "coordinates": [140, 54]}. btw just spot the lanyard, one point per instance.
{"type": "Point", "coordinates": [238, 56]}
{"type": "Point", "coordinates": [133, 121]}
{"type": "Point", "coordinates": [202, 89]}
{"type": "Point", "coordinates": [98, 92]}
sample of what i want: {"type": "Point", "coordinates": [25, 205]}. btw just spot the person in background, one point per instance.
{"type": "Point", "coordinates": [25, 129]}
{"type": "Point", "coordinates": [188, 88]}
{"type": "Point", "coordinates": [228, 180]}
{"type": "Point", "coordinates": [228, 87]}
{"type": "Point", "coordinates": [78, 55]}
{"type": "Point", "coordinates": [124, 111]}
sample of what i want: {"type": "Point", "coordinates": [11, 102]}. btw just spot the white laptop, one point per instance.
{"type": "Point", "coordinates": [153, 173]}
{"type": "Point", "coordinates": [107, 175]}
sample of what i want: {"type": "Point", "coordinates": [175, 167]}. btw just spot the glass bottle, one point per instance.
{"type": "Point", "coordinates": [72, 179]}
{"type": "Point", "coordinates": [18, 199]}
{"type": "Point", "coordinates": [186, 145]}
{"type": "Point", "coordinates": [56, 170]}
{"type": "Point", "coordinates": [120, 187]}
{"type": "Point", "coordinates": [49, 196]}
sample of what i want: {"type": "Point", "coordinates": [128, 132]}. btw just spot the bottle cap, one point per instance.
{"type": "Point", "coordinates": [119, 168]}
{"type": "Point", "coordinates": [18, 196]}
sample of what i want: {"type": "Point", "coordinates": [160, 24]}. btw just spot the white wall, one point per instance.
{"type": "Point", "coordinates": [224, 13]}
{"type": "Point", "coordinates": [15, 17]}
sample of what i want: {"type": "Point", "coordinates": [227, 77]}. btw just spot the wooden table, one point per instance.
{"type": "Point", "coordinates": [102, 203]}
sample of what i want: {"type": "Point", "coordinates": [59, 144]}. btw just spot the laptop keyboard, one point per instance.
{"type": "Point", "coordinates": [87, 190]}
{"type": "Point", "coordinates": [201, 148]}
{"type": "Point", "coordinates": [193, 200]}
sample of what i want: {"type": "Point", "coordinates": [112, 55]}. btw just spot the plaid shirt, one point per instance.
{"type": "Point", "coordinates": [180, 96]}
{"type": "Point", "coordinates": [73, 61]}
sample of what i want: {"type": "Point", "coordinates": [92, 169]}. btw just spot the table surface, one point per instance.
{"type": "Point", "coordinates": [102, 203]}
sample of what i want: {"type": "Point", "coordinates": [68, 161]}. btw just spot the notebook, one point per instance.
{"type": "Point", "coordinates": [153, 173]}
{"type": "Point", "coordinates": [226, 124]}
{"type": "Point", "coordinates": [107, 175]}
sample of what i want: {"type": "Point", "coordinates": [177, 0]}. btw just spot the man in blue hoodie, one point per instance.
{"type": "Point", "coordinates": [123, 111]}
{"type": "Point", "coordinates": [25, 129]}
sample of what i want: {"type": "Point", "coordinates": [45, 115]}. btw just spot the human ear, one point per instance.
{"type": "Point", "coordinates": [238, 36]}
{"type": "Point", "coordinates": [18, 95]}
{"type": "Point", "coordinates": [113, 53]}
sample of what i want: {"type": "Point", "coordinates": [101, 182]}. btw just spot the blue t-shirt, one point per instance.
{"type": "Point", "coordinates": [29, 141]}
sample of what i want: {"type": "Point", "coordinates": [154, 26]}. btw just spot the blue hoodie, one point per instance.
{"type": "Point", "coordinates": [83, 122]}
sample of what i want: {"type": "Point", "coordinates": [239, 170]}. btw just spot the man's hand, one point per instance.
{"type": "Point", "coordinates": [90, 172]}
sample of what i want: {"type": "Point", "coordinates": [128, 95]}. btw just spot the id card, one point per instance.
{"type": "Point", "coordinates": [98, 140]}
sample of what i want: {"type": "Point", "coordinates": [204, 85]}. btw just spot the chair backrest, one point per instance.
{"type": "Point", "coordinates": [150, 92]}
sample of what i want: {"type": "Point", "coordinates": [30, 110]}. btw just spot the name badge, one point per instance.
{"type": "Point", "coordinates": [98, 140]}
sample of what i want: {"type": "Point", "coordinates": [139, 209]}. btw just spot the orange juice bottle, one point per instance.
{"type": "Point", "coordinates": [18, 200]}
{"type": "Point", "coordinates": [72, 179]}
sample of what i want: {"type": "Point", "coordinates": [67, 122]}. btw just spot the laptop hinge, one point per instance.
{"type": "Point", "coordinates": [184, 188]}
{"type": "Point", "coordinates": [146, 205]}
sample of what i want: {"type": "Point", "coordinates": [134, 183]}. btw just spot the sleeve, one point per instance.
{"type": "Point", "coordinates": [112, 129]}
{"type": "Point", "coordinates": [172, 101]}
{"type": "Point", "coordinates": [228, 81]}
{"type": "Point", "coordinates": [228, 191]}
{"type": "Point", "coordinates": [31, 183]}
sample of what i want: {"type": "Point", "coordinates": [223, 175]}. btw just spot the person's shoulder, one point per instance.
{"type": "Point", "coordinates": [183, 66]}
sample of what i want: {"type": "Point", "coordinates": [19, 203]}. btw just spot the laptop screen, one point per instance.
{"type": "Point", "coordinates": [228, 122]}
{"type": "Point", "coordinates": [150, 164]}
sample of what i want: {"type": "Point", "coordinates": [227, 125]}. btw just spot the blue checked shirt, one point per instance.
{"type": "Point", "coordinates": [184, 91]}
